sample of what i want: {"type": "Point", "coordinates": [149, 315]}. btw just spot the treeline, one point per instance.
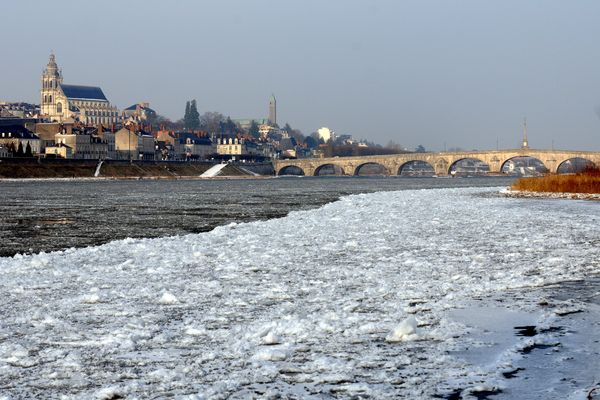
{"type": "Point", "coordinates": [19, 151]}
{"type": "Point", "coordinates": [347, 150]}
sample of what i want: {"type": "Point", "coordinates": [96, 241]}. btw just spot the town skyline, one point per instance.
{"type": "Point", "coordinates": [372, 70]}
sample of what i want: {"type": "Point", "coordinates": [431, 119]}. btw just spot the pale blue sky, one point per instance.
{"type": "Point", "coordinates": [464, 73]}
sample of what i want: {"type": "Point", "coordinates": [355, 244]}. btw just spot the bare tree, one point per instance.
{"type": "Point", "coordinates": [211, 121]}
{"type": "Point", "coordinates": [394, 146]}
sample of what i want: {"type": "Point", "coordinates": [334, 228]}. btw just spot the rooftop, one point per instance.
{"type": "Point", "coordinates": [17, 131]}
{"type": "Point", "coordinates": [83, 92]}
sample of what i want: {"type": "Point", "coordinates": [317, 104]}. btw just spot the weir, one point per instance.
{"type": "Point", "coordinates": [97, 172]}
{"type": "Point", "coordinates": [213, 171]}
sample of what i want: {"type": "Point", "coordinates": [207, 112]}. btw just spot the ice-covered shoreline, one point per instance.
{"type": "Point", "coordinates": [315, 303]}
{"type": "Point", "coordinates": [550, 195]}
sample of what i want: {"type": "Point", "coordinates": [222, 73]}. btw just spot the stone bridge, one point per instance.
{"type": "Point", "coordinates": [441, 162]}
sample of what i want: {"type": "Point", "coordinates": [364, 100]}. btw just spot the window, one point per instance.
{"type": "Point", "coordinates": [59, 108]}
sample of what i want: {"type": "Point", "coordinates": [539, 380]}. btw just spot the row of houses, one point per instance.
{"type": "Point", "coordinates": [191, 146]}
{"type": "Point", "coordinates": [69, 141]}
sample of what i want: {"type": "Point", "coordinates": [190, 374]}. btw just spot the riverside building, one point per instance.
{"type": "Point", "coordinates": [13, 137]}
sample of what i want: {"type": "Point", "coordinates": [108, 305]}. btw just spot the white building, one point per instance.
{"type": "Point", "coordinates": [236, 147]}
{"type": "Point", "coordinates": [326, 134]}
{"type": "Point", "coordinates": [83, 144]}
{"type": "Point", "coordinates": [191, 147]}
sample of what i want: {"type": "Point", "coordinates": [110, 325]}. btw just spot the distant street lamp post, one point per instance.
{"type": "Point", "coordinates": [129, 146]}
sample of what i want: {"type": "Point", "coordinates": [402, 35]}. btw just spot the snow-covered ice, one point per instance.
{"type": "Point", "coordinates": [407, 330]}
{"type": "Point", "coordinates": [168, 298]}
{"type": "Point", "coordinates": [302, 306]}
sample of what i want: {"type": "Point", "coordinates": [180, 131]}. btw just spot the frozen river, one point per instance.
{"type": "Point", "coordinates": [428, 293]}
{"type": "Point", "coordinates": [46, 215]}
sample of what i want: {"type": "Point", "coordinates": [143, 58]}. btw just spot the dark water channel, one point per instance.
{"type": "Point", "coordinates": [53, 215]}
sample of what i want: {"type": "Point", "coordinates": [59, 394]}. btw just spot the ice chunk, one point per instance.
{"type": "Point", "coordinates": [406, 331]}
{"type": "Point", "coordinates": [271, 338]}
{"type": "Point", "coordinates": [271, 355]}
{"type": "Point", "coordinates": [91, 299]}
{"type": "Point", "coordinates": [168, 298]}
{"type": "Point", "coordinates": [109, 393]}
{"type": "Point", "coordinates": [195, 331]}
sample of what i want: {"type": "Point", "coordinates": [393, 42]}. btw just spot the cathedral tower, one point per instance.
{"type": "Point", "coordinates": [272, 110]}
{"type": "Point", "coordinates": [51, 80]}
{"type": "Point", "coordinates": [60, 102]}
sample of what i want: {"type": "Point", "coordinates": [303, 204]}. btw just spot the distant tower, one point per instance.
{"type": "Point", "coordinates": [51, 79]}
{"type": "Point", "coordinates": [272, 110]}
{"type": "Point", "coordinates": [525, 144]}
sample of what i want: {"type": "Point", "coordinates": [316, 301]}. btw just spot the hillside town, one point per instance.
{"type": "Point", "coordinates": [79, 122]}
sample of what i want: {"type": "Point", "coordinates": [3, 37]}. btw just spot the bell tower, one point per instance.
{"type": "Point", "coordinates": [272, 110]}
{"type": "Point", "coordinates": [51, 78]}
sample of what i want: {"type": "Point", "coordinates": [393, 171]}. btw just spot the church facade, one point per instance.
{"type": "Point", "coordinates": [61, 102]}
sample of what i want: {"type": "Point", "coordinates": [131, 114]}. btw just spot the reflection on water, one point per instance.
{"type": "Point", "coordinates": [54, 215]}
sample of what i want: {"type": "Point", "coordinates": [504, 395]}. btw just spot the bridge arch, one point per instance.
{"type": "Point", "coordinates": [371, 168]}
{"type": "Point", "coordinates": [416, 168]}
{"type": "Point", "coordinates": [291, 170]}
{"type": "Point", "coordinates": [523, 165]}
{"type": "Point", "coordinates": [468, 166]}
{"type": "Point", "coordinates": [574, 165]}
{"type": "Point", "coordinates": [329, 169]}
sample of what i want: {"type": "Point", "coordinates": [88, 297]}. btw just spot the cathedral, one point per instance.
{"type": "Point", "coordinates": [62, 103]}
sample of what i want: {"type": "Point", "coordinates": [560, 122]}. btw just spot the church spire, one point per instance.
{"type": "Point", "coordinates": [525, 144]}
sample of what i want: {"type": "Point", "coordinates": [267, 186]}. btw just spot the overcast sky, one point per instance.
{"type": "Point", "coordinates": [437, 73]}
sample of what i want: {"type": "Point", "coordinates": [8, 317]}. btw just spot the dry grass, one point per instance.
{"type": "Point", "coordinates": [587, 181]}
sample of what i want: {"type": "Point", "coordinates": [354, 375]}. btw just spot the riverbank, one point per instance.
{"type": "Point", "coordinates": [69, 169]}
{"type": "Point", "coordinates": [141, 178]}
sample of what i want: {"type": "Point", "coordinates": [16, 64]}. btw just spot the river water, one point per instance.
{"type": "Point", "coordinates": [401, 288]}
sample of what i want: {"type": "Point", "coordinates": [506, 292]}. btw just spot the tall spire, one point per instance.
{"type": "Point", "coordinates": [525, 144]}
{"type": "Point", "coordinates": [272, 110]}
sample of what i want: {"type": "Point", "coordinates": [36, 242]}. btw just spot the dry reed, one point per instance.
{"type": "Point", "coordinates": [587, 181]}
